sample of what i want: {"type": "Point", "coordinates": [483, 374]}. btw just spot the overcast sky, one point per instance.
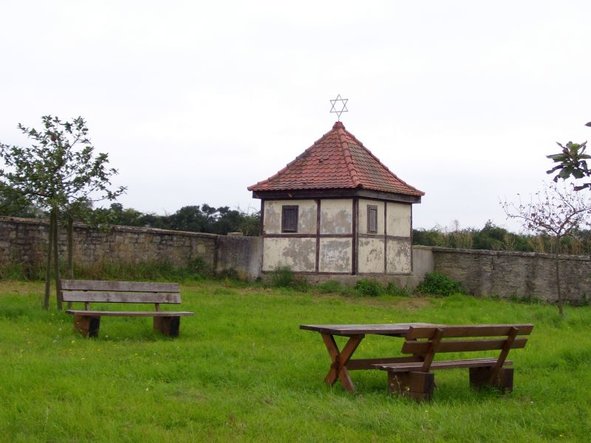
{"type": "Point", "coordinates": [196, 100]}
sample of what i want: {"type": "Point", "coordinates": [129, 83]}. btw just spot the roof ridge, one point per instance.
{"type": "Point", "coordinates": [380, 163]}
{"type": "Point", "coordinates": [341, 134]}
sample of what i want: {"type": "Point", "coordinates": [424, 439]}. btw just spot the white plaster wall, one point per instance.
{"type": "Point", "coordinates": [399, 219]}
{"type": "Point", "coordinates": [336, 255]}
{"type": "Point", "coordinates": [371, 255]}
{"type": "Point", "coordinates": [399, 255]}
{"type": "Point", "coordinates": [306, 216]}
{"type": "Point", "coordinates": [336, 216]}
{"type": "Point", "coordinates": [362, 221]}
{"type": "Point", "coordinates": [297, 253]}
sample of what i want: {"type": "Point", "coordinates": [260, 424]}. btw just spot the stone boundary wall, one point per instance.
{"type": "Point", "coordinates": [494, 273]}
{"type": "Point", "coordinates": [24, 242]}
{"type": "Point", "coordinates": [516, 274]}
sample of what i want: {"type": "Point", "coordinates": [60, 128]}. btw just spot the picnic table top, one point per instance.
{"type": "Point", "coordinates": [355, 329]}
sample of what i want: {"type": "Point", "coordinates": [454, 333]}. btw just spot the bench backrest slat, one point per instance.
{"type": "Point", "coordinates": [120, 297]}
{"type": "Point", "coordinates": [422, 347]}
{"type": "Point", "coordinates": [126, 286]}
{"type": "Point", "coordinates": [426, 341]}
{"type": "Point", "coordinates": [98, 291]}
{"type": "Point", "coordinates": [469, 331]}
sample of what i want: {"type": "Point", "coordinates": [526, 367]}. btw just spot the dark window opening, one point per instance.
{"type": "Point", "coordinates": [289, 219]}
{"type": "Point", "coordinates": [372, 219]}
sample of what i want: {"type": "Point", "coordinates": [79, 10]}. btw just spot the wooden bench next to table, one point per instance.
{"type": "Point", "coordinates": [415, 379]}
{"type": "Point", "coordinates": [87, 321]}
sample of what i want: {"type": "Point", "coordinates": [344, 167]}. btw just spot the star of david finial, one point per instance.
{"type": "Point", "coordinates": [339, 105]}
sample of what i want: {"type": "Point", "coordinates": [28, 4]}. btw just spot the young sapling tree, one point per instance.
{"type": "Point", "coordinates": [59, 173]}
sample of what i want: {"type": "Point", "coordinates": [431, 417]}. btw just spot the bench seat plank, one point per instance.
{"type": "Point", "coordinates": [441, 364]}
{"type": "Point", "coordinates": [129, 313]}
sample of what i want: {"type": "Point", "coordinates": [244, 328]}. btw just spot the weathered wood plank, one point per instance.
{"type": "Point", "coordinates": [395, 329]}
{"type": "Point", "coordinates": [422, 347]}
{"type": "Point", "coordinates": [417, 332]}
{"type": "Point", "coordinates": [486, 362]}
{"type": "Point", "coordinates": [369, 363]}
{"type": "Point", "coordinates": [120, 297]}
{"type": "Point", "coordinates": [125, 286]}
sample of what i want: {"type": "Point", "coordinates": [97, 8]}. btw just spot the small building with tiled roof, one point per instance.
{"type": "Point", "coordinates": [336, 209]}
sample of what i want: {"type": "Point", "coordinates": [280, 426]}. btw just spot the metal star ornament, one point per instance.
{"type": "Point", "coordinates": [339, 105]}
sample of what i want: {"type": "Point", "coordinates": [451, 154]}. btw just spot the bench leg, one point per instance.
{"type": "Point", "coordinates": [503, 381]}
{"type": "Point", "coordinates": [167, 325]}
{"type": "Point", "coordinates": [86, 325]}
{"type": "Point", "coordinates": [416, 385]}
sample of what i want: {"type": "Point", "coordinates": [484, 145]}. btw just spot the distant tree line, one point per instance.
{"type": "Point", "coordinates": [197, 218]}
{"type": "Point", "coordinates": [496, 238]}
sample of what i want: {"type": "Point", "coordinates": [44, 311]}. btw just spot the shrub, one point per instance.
{"type": "Point", "coordinates": [330, 286]}
{"type": "Point", "coordinates": [394, 289]}
{"type": "Point", "coordinates": [371, 288]}
{"type": "Point", "coordinates": [439, 284]}
{"type": "Point", "coordinates": [283, 277]}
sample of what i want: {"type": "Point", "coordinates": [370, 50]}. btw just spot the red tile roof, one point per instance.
{"type": "Point", "coordinates": [336, 161]}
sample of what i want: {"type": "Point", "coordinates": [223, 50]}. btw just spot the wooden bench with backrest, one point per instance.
{"type": "Point", "coordinates": [415, 379]}
{"type": "Point", "coordinates": [87, 321]}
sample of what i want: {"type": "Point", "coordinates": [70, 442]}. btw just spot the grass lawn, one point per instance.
{"type": "Point", "coordinates": [242, 371]}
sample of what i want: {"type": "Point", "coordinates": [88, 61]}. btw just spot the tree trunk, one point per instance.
{"type": "Point", "coordinates": [70, 246]}
{"type": "Point", "coordinates": [56, 264]}
{"type": "Point", "coordinates": [557, 267]}
{"type": "Point", "coordinates": [48, 268]}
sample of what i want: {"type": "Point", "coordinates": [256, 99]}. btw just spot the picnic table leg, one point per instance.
{"type": "Point", "coordinates": [338, 368]}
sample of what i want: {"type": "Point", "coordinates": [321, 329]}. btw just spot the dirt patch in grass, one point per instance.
{"type": "Point", "coordinates": [8, 287]}
{"type": "Point", "coordinates": [414, 304]}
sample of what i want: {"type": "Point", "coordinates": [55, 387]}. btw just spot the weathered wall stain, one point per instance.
{"type": "Point", "coordinates": [399, 256]}
{"type": "Point", "coordinates": [335, 255]}
{"type": "Point", "coordinates": [371, 255]}
{"type": "Point", "coordinates": [336, 216]}
{"type": "Point", "coordinates": [297, 253]}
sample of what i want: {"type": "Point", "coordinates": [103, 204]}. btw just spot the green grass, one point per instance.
{"type": "Point", "coordinates": [242, 371]}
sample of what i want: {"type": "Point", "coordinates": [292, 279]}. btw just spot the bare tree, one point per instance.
{"type": "Point", "coordinates": [556, 211]}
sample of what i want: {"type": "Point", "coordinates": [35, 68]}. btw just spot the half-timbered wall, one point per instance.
{"type": "Point", "coordinates": [339, 236]}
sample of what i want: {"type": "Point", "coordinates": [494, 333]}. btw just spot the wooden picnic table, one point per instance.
{"type": "Point", "coordinates": [341, 361]}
